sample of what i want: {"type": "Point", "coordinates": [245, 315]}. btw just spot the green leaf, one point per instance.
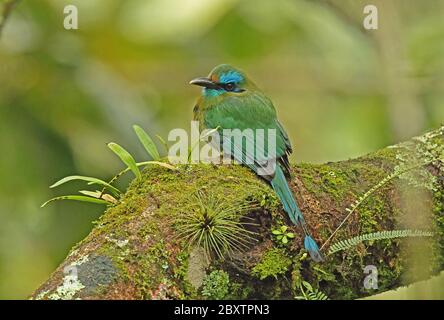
{"type": "Point", "coordinates": [284, 228]}
{"type": "Point", "coordinates": [276, 232]}
{"type": "Point", "coordinates": [99, 195]}
{"type": "Point", "coordinates": [147, 142]}
{"type": "Point", "coordinates": [290, 235]}
{"type": "Point", "coordinates": [162, 164]}
{"type": "Point", "coordinates": [308, 286]}
{"type": "Point", "coordinates": [279, 237]}
{"type": "Point", "coordinates": [76, 198]}
{"type": "Point", "coordinates": [126, 158]}
{"type": "Point", "coordinates": [162, 140]}
{"type": "Point", "coordinates": [320, 270]}
{"type": "Point", "coordinates": [202, 138]}
{"type": "Point", "coordinates": [91, 180]}
{"type": "Point", "coordinates": [284, 240]}
{"type": "Point", "coordinates": [93, 194]}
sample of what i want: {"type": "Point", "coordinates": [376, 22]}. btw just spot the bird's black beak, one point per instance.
{"type": "Point", "coordinates": [205, 82]}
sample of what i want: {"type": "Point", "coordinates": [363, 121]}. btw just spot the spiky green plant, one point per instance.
{"type": "Point", "coordinates": [380, 235]}
{"type": "Point", "coordinates": [215, 226]}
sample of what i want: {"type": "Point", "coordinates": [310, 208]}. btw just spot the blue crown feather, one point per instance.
{"type": "Point", "coordinates": [231, 76]}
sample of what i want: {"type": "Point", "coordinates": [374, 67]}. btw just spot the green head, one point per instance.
{"type": "Point", "coordinates": [224, 81]}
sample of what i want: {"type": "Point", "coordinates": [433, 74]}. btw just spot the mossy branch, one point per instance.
{"type": "Point", "coordinates": [135, 250]}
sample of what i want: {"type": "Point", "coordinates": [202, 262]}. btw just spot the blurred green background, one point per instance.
{"type": "Point", "coordinates": [340, 91]}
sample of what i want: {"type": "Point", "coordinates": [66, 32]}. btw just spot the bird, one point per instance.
{"type": "Point", "coordinates": [230, 100]}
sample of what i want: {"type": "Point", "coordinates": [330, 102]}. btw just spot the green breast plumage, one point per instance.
{"type": "Point", "coordinates": [250, 111]}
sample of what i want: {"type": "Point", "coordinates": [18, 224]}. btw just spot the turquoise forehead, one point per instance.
{"type": "Point", "coordinates": [231, 76]}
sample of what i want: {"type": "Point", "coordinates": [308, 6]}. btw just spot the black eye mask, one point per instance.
{"type": "Point", "coordinates": [230, 87]}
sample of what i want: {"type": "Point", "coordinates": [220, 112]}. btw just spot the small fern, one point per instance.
{"type": "Point", "coordinates": [398, 172]}
{"type": "Point", "coordinates": [310, 293]}
{"type": "Point", "coordinates": [317, 295]}
{"type": "Point", "coordinates": [380, 235]}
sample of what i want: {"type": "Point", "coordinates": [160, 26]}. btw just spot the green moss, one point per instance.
{"type": "Point", "coordinates": [372, 214]}
{"type": "Point", "coordinates": [438, 214]}
{"type": "Point", "coordinates": [268, 200]}
{"type": "Point", "coordinates": [180, 274]}
{"type": "Point", "coordinates": [273, 263]}
{"type": "Point", "coordinates": [239, 291]}
{"type": "Point", "coordinates": [326, 179]}
{"type": "Point", "coordinates": [216, 285]}
{"type": "Point", "coordinates": [339, 184]}
{"type": "Point", "coordinates": [385, 156]}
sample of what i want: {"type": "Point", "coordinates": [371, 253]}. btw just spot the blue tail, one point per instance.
{"type": "Point", "coordinates": [280, 186]}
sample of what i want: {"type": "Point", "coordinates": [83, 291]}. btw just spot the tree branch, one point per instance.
{"type": "Point", "coordinates": [136, 252]}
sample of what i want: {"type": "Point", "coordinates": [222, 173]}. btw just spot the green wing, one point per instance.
{"type": "Point", "coordinates": [254, 111]}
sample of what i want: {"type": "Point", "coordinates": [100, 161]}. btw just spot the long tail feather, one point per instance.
{"type": "Point", "coordinates": [312, 247]}
{"type": "Point", "coordinates": [280, 186]}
